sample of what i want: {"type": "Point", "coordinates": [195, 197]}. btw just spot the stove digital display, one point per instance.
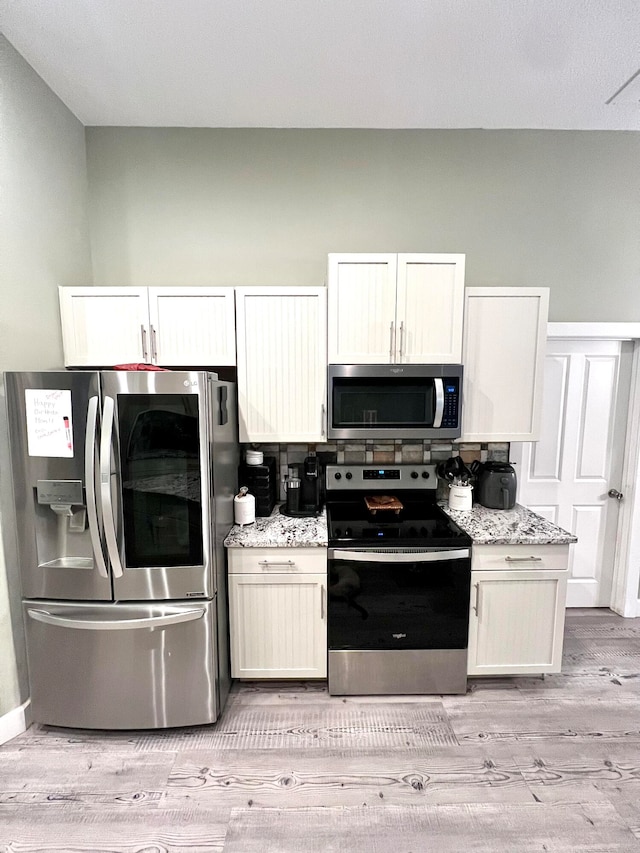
{"type": "Point", "coordinates": [377, 532]}
{"type": "Point", "coordinates": [381, 474]}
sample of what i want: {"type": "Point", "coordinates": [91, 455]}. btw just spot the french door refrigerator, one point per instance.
{"type": "Point", "coordinates": [124, 485]}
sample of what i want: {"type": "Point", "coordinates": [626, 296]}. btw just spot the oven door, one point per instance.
{"type": "Point", "coordinates": [386, 598]}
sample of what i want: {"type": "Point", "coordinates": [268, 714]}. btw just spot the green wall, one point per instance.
{"type": "Point", "coordinates": [248, 206]}
{"type": "Point", "coordinates": [45, 242]}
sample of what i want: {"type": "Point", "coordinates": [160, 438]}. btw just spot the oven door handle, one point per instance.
{"type": "Point", "coordinates": [388, 555]}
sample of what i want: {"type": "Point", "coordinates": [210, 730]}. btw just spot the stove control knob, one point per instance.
{"type": "Point", "coordinates": [348, 475]}
{"type": "Point", "coordinates": [425, 475]}
{"type": "Point", "coordinates": [414, 475]}
{"type": "Point", "coordinates": [338, 475]}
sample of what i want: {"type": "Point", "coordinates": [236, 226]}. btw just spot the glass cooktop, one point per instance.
{"type": "Point", "coordinates": [418, 523]}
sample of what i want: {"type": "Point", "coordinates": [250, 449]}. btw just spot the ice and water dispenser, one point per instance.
{"type": "Point", "coordinates": [62, 536]}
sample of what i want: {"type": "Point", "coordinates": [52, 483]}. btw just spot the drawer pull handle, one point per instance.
{"type": "Point", "coordinates": [523, 559]}
{"type": "Point", "coordinates": [288, 564]}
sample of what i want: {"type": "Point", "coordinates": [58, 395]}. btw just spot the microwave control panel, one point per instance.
{"type": "Point", "coordinates": [451, 414]}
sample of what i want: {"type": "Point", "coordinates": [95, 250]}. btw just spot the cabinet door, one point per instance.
{"type": "Point", "coordinates": [505, 330]}
{"type": "Point", "coordinates": [362, 308]}
{"type": "Point", "coordinates": [278, 626]}
{"type": "Point", "coordinates": [430, 306]}
{"type": "Point", "coordinates": [282, 364]}
{"type": "Point", "coordinates": [516, 622]}
{"type": "Point", "coordinates": [192, 326]}
{"type": "Point", "coordinates": [103, 326]}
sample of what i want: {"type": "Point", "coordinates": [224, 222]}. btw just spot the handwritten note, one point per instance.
{"type": "Point", "coordinates": [49, 422]}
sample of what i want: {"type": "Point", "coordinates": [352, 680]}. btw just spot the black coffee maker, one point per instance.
{"type": "Point", "coordinates": [303, 489]}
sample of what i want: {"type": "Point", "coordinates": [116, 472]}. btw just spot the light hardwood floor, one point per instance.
{"type": "Point", "coordinates": [521, 764]}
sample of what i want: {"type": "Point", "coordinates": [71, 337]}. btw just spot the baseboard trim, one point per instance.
{"type": "Point", "coordinates": [15, 722]}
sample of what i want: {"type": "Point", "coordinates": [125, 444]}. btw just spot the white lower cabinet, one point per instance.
{"type": "Point", "coordinates": [517, 609]}
{"type": "Point", "coordinates": [278, 612]}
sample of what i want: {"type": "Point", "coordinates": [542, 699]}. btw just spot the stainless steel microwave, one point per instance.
{"type": "Point", "coordinates": [421, 401]}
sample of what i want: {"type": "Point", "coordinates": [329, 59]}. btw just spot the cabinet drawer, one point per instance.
{"type": "Point", "coordinates": [516, 557]}
{"type": "Point", "coordinates": [280, 560]}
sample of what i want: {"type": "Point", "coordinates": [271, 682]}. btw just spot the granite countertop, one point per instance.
{"type": "Point", "coordinates": [280, 531]}
{"type": "Point", "coordinates": [517, 526]}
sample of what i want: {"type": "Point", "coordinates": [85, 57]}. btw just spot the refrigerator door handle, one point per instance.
{"type": "Point", "coordinates": [109, 624]}
{"type": "Point", "coordinates": [223, 415]}
{"type": "Point", "coordinates": [90, 485]}
{"type": "Point", "coordinates": [105, 487]}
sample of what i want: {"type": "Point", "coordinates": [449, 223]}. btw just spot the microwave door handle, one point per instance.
{"type": "Point", "coordinates": [439, 412]}
{"type": "Point", "coordinates": [105, 487]}
{"type": "Point", "coordinates": [90, 485]}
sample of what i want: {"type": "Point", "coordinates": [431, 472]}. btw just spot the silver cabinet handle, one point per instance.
{"type": "Point", "coordinates": [90, 485]}
{"type": "Point", "coordinates": [476, 606]}
{"type": "Point", "coordinates": [523, 559]}
{"type": "Point", "coordinates": [392, 342]}
{"type": "Point", "coordinates": [323, 592]}
{"type": "Point", "coordinates": [143, 333]}
{"type": "Point", "coordinates": [108, 624]}
{"type": "Point", "coordinates": [287, 564]}
{"type": "Point", "coordinates": [323, 427]}
{"type": "Point", "coordinates": [154, 345]}
{"type": "Point", "coordinates": [400, 353]}
{"type": "Point", "coordinates": [105, 488]}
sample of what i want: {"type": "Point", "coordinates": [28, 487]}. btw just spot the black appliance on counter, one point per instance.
{"type": "Point", "coordinates": [262, 482]}
{"type": "Point", "coordinates": [399, 583]}
{"type": "Point", "coordinates": [496, 484]}
{"type": "Point", "coordinates": [304, 489]}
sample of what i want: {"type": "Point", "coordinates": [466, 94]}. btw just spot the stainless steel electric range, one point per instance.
{"type": "Point", "coordinates": [399, 583]}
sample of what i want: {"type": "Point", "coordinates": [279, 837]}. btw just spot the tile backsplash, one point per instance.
{"type": "Point", "coordinates": [380, 452]}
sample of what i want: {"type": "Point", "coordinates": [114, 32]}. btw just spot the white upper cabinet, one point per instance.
{"type": "Point", "coordinates": [505, 330]}
{"type": "Point", "coordinates": [166, 326]}
{"type": "Point", "coordinates": [395, 308]}
{"type": "Point", "coordinates": [282, 363]}
{"type": "Point", "coordinates": [103, 326]}
{"type": "Point", "coordinates": [192, 325]}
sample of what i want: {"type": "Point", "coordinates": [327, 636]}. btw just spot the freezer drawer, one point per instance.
{"type": "Point", "coordinates": [122, 666]}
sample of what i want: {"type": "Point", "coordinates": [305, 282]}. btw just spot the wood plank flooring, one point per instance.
{"type": "Point", "coordinates": [517, 764]}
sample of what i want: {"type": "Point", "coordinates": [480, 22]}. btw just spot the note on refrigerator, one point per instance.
{"type": "Point", "coordinates": [49, 422]}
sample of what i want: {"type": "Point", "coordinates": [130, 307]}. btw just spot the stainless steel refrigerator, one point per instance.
{"type": "Point", "coordinates": [124, 485]}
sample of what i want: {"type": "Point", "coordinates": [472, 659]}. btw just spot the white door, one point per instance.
{"type": "Point", "coordinates": [567, 474]}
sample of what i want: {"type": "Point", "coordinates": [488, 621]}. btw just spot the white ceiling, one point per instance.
{"type": "Point", "coordinates": [337, 63]}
